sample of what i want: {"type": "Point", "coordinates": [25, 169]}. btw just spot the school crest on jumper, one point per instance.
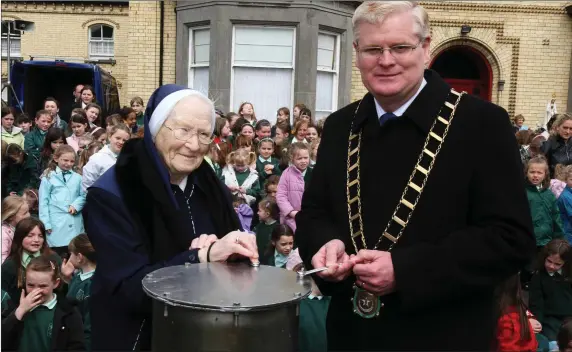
{"type": "Point", "coordinates": [49, 331]}
{"type": "Point", "coordinates": [80, 295]}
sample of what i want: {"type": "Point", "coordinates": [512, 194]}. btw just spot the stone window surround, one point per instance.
{"type": "Point", "coordinates": [307, 18]}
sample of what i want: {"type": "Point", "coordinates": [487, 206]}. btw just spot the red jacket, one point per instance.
{"type": "Point", "coordinates": [508, 334]}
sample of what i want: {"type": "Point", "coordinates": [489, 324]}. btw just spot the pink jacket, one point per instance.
{"type": "Point", "coordinates": [7, 237]}
{"type": "Point", "coordinates": [289, 195]}
{"type": "Point", "coordinates": [557, 186]}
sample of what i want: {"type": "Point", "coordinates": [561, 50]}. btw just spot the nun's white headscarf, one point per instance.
{"type": "Point", "coordinates": [167, 104]}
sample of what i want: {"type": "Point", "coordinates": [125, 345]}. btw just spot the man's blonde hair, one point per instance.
{"type": "Point", "coordinates": [374, 12]}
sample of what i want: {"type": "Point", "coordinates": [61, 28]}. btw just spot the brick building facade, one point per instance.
{"type": "Point", "coordinates": [517, 54]}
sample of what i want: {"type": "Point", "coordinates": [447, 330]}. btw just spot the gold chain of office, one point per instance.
{"type": "Point", "coordinates": [442, 124]}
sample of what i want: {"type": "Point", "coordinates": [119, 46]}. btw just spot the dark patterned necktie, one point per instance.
{"type": "Point", "coordinates": [64, 173]}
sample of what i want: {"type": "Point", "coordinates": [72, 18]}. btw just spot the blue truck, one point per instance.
{"type": "Point", "coordinates": [33, 81]}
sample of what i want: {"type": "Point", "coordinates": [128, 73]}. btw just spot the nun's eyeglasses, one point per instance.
{"type": "Point", "coordinates": [184, 134]}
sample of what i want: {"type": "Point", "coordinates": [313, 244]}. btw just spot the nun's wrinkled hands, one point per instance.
{"type": "Point", "coordinates": [235, 243]}
{"type": "Point", "coordinates": [203, 241]}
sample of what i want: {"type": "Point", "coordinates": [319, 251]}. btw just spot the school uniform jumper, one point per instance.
{"type": "Point", "coordinates": [58, 190]}
{"type": "Point", "coordinates": [79, 290]}
{"type": "Point", "coordinates": [22, 176]}
{"type": "Point", "coordinates": [263, 233]}
{"type": "Point", "coordinates": [550, 301]}
{"type": "Point", "coordinates": [34, 141]}
{"type": "Point", "coordinates": [247, 179]}
{"type": "Point", "coordinates": [289, 194]}
{"type": "Point", "coordinates": [462, 241]}
{"type": "Point", "coordinates": [52, 326]}
{"type": "Point", "coordinates": [545, 214]}
{"type": "Point", "coordinates": [262, 175]}
{"type": "Point", "coordinates": [565, 206]}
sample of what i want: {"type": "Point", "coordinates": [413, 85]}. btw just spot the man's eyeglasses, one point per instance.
{"type": "Point", "coordinates": [397, 51]}
{"type": "Point", "coordinates": [184, 134]}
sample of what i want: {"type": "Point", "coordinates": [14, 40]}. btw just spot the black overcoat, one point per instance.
{"type": "Point", "coordinates": [471, 228]}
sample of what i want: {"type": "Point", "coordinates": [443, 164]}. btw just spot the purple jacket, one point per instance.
{"type": "Point", "coordinates": [245, 216]}
{"type": "Point", "coordinates": [289, 195]}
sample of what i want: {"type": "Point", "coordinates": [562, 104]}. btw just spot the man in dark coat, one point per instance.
{"type": "Point", "coordinates": [431, 272]}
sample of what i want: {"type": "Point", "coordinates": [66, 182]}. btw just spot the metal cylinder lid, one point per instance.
{"type": "Point", "coordinates": [226, 287]}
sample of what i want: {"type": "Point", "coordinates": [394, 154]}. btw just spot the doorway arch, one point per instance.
{"type": "Point", "coordinates": [465, 69]}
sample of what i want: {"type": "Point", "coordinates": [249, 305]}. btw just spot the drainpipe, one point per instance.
{"type": "Point", "coordinates": [161, 41]}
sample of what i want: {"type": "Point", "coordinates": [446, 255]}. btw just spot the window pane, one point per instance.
{"type": "Point", "coordinates": [201, 80]}
{"type": "Point", "coordinates": [267, 88]}
{"type": "Point", "coordinates": [324, 91]}
{"type": "Point", "coordinates": [15, 47]}
{"type": "Point", "coordinates": [108, 32]}
{"type": "Point", "coordinates": [96, 32]}
{"type": "Point", "coordinates": [326, 51]}
{"type": "Point", "coordinates": [261, 46]}
{"type": "Point", "coordinates": [201, 46]}
{"type": "Point", "coordinates": [4, 46]}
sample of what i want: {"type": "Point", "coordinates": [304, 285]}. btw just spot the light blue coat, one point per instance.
{"type": "Point", "coordinates": [56, 196]}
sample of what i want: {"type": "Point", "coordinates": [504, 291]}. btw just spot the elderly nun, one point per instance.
{"type": "Point", "coordinates": [160, 205]}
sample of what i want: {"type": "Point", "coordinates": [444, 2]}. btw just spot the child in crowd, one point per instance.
{"type": "Point", "coordinates": [565, 337]}
{"type": "Point", "coordinates": [268, 215]}
{"type": "Point", "coordinates": [61, 200]}
{"type": "Point", "coordinates": [247, 131]}
{"type": "Point", "coordinates": [551, 290]}
{"type": "Point", "coordinates": [222, 131]}
{"type": "Point", "coordinates": [312, 334]}
{"type": "Point", "coordinates": [106, 157]}
{"type": "Point", "coordinates": [266, 165]}
{"type": "Point", "coordinates": [84, 260]}
{"type": "Point", "coordinates": [34, 140]}
{"type": "Point", "coordinates": [243, 142]}
{"type": "Point", "coordinates": [516, 326]}
{"type": "Point", "coordinates": [53, 106]}
{"type": "Point", "coordinates": [306, 115]}
{"type": "Point", "coordinates": [232, 117]}
{"type": "Point", "coordinates": [80, 127]}
{"type": "Point", "coordinates": [86, 154]}
{"type": "Point", "coordinates": [99, 134]}
{"type": "Point", "coordinates": [271, 186]}
{"type": "Point", "coordinates": [244, 212]}
{"type": "Point", "coordinates": [212, 158]}
{"type": "Point", "coordinates": [558, 183]}
{"type": "Point", "coordinates": [314, 151]}
{"type": "Point", "coordinates": [10, 133]}
{"type": "Point", "coordinates": [83, 142]}
{"type": "Point", "coordinates": [239, 178]}
{"type": "Point", "coordinates": [262, 130]}
{"type": "Point", "coordinates": [292, 184]}
{"type": "Point", "coordinates": [565, 204]}
{"type": "Point", "coordinates": [296, 111]}
{"type": "Point", "coordinates": [246, 111]}
{"type": "Point", "coordinates": [54, 139]}
{"type": "Point", "coordinates": [139, 109]}
{"type": "Point", "coordinates": [29, 242]}
{"type": "Point", "coordinates": [32, 198]}
{"type": "Point", "coordinates": [282, 115]}
{"type": "Point", "coordinates": [93, 112]}
{"type": "Point", "coordinates": [543, 204]}
{"type": "Point", "coordinates": [110, 121]}
{"type": "Point", "coordinates": [280, 246]}
{"type": "Point", "coordinates": [21, 170]}
{"type": "Point", "coordinates": [300, 131]}
{"type": "Point", "coordinates": [312, 133]}
{"type": "Point", "coordinates": [25, 123]}
{"type": "Point", "coordinates": [129, 118]}
{"type": "Point", "coordinates": [43, 321]}
{"type": "Point", "coordinates": [14, 209]}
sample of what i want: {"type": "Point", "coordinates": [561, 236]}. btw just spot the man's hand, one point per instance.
{"type": "Point", "coordinates": [333, 255]}
{"type": "Point", "coordinates": [374, 271]}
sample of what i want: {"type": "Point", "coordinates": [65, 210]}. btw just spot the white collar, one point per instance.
{"type": "Point", "coordinates": [304, 172]}
{"type": "Point", "coordinates": [398, 112]}
{"type": "Point", "coordinates": [84, 276]}
{"type": "Point", "coordinates": [183, 183]}
{"type": "Point", "coordinates": [559, 272]}
{"type": "Point", "coordinates": [270, 222]}
{"type": "Point", "coordinates": [262, 160]}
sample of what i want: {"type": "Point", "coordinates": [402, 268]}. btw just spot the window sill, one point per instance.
{"type": "Point", "coordinates": [12, 57]}
{"type": "Point", "coordinates": [109, 61]}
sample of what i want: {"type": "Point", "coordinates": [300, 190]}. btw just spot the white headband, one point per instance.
{"type": "Point", "coordinates": [166, 105]}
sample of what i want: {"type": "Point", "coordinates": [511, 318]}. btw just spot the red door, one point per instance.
{"type": "Point", "coordinates": [471, 86]}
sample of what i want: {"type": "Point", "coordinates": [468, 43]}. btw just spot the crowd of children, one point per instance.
{"type": "Point", "coordinates": [48, 262]}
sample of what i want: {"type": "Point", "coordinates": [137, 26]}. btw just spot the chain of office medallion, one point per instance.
{"type": "Point", "coordinates": [427, 140]}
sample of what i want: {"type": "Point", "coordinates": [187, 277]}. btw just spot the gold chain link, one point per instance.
{"type": "Point", "coordinates": [417, 165]}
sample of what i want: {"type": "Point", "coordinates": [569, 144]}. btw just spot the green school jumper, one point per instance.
{"type": "Point", "coordinates": [312, 329]}
{"type": "Point", "coordinates": [254, 190]}
{"type": "Point", "coordinates": [263, 233]}
{"type": "Point", "coordinates": [263, 176]}
{"type": "Point", "coordinates": [80, 290]}
{"type": "Point", "coordinates": [38, 325]}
